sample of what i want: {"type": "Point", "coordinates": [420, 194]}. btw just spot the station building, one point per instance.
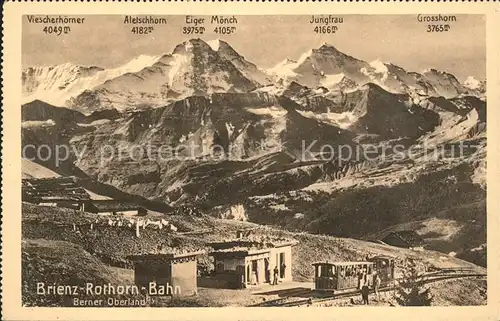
{"type": "Point", "coordinates": [406, 239]}
{"type": "Point", "coordinates": [173, 273]}
{"type": "Point", "coordinates": [112, 207]}
{"type": "Point", "coordinates": [243, 263]}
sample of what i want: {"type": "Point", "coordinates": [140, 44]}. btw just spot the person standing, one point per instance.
{"type": "Point", "coordinates": [376, 285]}
{"type": "Point", "coordinates": [364, 293]}
{"type": "Point", "coordinates": [268, 271]}
{"type": "Point", "coordinates": [275, 275]}
{"type": "Point", "coordinates": [254, 278]}
{"type": "Point", "coordinates": [361, 278]}
{"type": "Point", "coordinates": [282, 270]}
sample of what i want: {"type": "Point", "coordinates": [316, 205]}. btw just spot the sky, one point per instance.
{"type": "Point", "coordinates": [105, 41]}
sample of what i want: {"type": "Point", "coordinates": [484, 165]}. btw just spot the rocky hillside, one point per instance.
{"type": "Point", "coordinates": [328, 144]}
{"type": "Point", "coordinates": [60, 262]}
{"type": "Point", "coordinates": [262, 139]}
{"type": "Point", "coordinates": [39, 111]}
{"type": "Point", "coordinates": [53, 249]}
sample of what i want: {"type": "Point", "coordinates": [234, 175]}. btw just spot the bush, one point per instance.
{"type": "Point", "coordinates": [411, 290]}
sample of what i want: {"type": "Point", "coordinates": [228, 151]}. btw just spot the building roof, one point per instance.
{"type": "Point", "coordinates": [343, 263]}
{"type": "Point", "coordinates": [154, 256]}
{"type": "Point", "coordinates": [112, 205]}
{"type": "Point", "coordinates": [239, 251]}
{"type": "Point", "coordinates": [50, 180]}
{"type": "Point", "coordinates": [60, 188]}
{"type": "Point", "coordinates": [260, 243]}
{"type": "Point", "coordinates": [385, 257]}
{"type": "Point", "coordinates": [250, 245]}
{"type": "Point", "coordinates": [409, 237]}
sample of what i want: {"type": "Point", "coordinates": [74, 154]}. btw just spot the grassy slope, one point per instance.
{"type": "Point", "coordinates": [61, 263]}
{"type": "Point", "coordinates": [459, 229]}
{"type": "Point", "coordinates": [112, 244]}
{"type": "Point", "coordinates": [460, 292]}
{"type": "Point", "coordinates": [31, 169]}
{"type": "Point", "coordinates": [441, 200]}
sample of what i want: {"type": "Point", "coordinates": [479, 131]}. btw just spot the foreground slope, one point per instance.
{"type": "Point", "coordinates": [63, 263]}
{"type": "Point", "coordinates": [113, 244]}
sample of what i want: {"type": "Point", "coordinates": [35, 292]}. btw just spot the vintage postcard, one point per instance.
{"type": "Point", "coordinates": [197, 161]}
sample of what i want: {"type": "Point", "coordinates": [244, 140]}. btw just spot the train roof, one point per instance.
{"type": "Point", "coordinates": [387, 257]}
{"type": "Point", "coordinates": [344, 263]}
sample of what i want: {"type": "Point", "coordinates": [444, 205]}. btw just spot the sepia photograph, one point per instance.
{"type": "Point", "coordinates": [253, 160]}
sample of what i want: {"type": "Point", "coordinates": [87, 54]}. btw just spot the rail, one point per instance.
{"type": "Point", "coordinates": [425, 278]}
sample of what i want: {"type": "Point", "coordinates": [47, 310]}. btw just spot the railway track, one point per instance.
{"type": "Point", "coordinates": [426, 279]}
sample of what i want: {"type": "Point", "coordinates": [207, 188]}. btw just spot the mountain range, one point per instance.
{"type": "Point", "coordinates": [196, 67]}
{"type": "Point", "coordinates": [272, 126]}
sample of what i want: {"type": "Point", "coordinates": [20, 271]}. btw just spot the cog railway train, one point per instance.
{"type": "Point", "coordinates": [343, 276]}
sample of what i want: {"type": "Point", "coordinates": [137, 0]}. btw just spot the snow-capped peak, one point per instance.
{"type": "Point", "coordinates": [138, 63]}
{"type": "Point", "coordinates": [158, 78]}
{"type": "Point", "coordinates": [333, 79]}
{"type": "Point", "coordinates": [434, 71]}
{"type": "Point", "coordinates": [68, 66]}
{"type": "Point", "coordinates": [57, 84]}
{"type": "Point", "coordinates": [337, 81]}
{"type": "Point", "coordinates": [326, 46]}
{"type": "Point", "coordinates": [472, 83]}
{"type": "Point", "coordinates": [304, 56]}
{"type": "Point", "coordinates": [285, 62]}
{"type": "Point", "coordinates": [283, 68]}
{"type": "Point", "coordinates": [288, 61]}
{"type": "Point", "coordinates": [214, 44]}
{"type": "Point", "coordinates": [379, 66]}
{"type": "Point", "coordinates": [191, 45]}
{"type": "Point", "coordinates": [224, 49]}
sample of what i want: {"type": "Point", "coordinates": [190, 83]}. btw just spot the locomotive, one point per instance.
{"type": "Point", "coordinates": [343, 276]}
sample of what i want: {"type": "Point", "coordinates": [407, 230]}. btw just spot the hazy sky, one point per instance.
{"type": "Point", "coordinates": [103, 40]}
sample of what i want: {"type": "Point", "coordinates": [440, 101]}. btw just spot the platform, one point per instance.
{"type": "Point", "coordinates": [288, 289]}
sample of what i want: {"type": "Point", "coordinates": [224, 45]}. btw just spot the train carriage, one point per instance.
{"type": "Point", "coordinates": [340, 276]}
{"type": "Point", "coordinates": [384, 267]}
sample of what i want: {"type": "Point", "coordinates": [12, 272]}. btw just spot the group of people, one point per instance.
{"type": "Point", "coordinates": [365, 289]}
